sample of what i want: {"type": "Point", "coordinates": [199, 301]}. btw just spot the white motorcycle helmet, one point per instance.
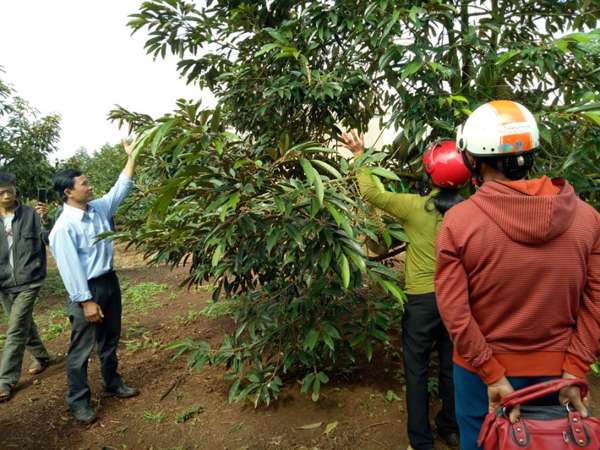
{"type": "Point", "coordinates": [499, 128]}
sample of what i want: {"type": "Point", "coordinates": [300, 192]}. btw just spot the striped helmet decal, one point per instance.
{"type": "Point", "coordinates": [514, 128]}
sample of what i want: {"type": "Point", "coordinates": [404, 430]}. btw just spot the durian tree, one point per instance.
{"type": "Point", "coordinates": [27, 140]}
{"type": "Point", "coordinates": [252, 196]}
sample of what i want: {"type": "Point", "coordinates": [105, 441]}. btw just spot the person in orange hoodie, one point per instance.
{"type": "Point", "coordinates": [517, 272]}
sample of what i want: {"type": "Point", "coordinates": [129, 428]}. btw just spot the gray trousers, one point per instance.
{"type": "Point", "coordinates": [84, 335]}
{"type": "Point", "coordinates": [22, 333]}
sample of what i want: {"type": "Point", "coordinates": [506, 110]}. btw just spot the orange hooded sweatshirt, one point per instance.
{"type": "Point", "coordinates": [518, 280]}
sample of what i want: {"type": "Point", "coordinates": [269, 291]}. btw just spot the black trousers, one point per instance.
{"type": "Point", "coordinates": [84, 335]}
{"type": "Point", "coordinates": [421, 327]}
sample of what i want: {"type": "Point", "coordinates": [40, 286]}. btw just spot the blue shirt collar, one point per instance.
{"type": "Point", "coordinates": [76, 212]}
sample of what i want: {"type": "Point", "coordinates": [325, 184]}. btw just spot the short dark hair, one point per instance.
{"type": "Point", "coordinates": [514, 167]}
{"type": "Point", "coordinates": [65, 180]}
{"type": "Point", "coordinates": [6, 179]}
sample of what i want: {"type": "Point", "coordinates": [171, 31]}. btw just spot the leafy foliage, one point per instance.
{"type": "Point", "coordinates": [26, 141]}
{"type": "Point", "coordinates": [274, 218]}
{"type": "Point", "coordinates": [280, 240]}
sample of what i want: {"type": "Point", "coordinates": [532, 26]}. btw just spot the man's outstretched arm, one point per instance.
{"type": "Point", "coordinates": [129, 169]}
{"type": "Point", "coordinates": [111, 201]}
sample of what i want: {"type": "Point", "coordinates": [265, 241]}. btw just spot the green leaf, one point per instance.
{"type": "Point", "coordinates": [266, 48]}
{"type": "Point", "coordinates": [309, 170]}
{"type": "Point", "coordinates": [233, 200]}
{"type": "Point", "coordinates": [331, 330]}
{"type": "Point", "coordinates": [387, 238]}
{"type": "Point", "coordinates": [316, 390]}
{"type": "Point", "coordinates": [593, 117]}
{"type": "Point", "coordinates": [390, 24]}
{"type": "Point", "coordinates": [385, 173]}
{"type": "Point", "coordinates": [277, 36]}
{"type": "Point", "coordinates": [314, 207]}
{"type": "Point", "coordinates": [459, 98]}
{"type": "Point", "coordinates": [410, 69]}
{"type": "Point", "coordinates": [332, 170]}
{"type": "Point", "coordinates": [506, 56]}
{"type": "Point", "coordinates": [368, 349]}
{"type": "Point", "coordinates": [311, 339]}
{"type": "Point", "coordinates": [216, 120]}
{"type": "Point", "coordinates": [175, 345]}
{"type": "Point", "coordinates": [346, 226]}
{"type": "Point", "coordinates": [233, 390]}
{"type": "Point", "coordinates": [319, 188]}
{"type": "Point", "coordinates": [345, 271]}
{"type": "Point", "coordinates": [272, 239]}
{"type": "Point", "coordinates": [572, 159]}
{"type": "Point", "coordinates": [335, 214]}
{"type": "Point", "coordinates": [379, 335]}
{"type": "Point", "coordinates": [358, 259]}
{"type": "Point", "coordinates": [246, 391]}
{"type": "Point", "coordinates": [311, 426]}
{"type": "Point", "coordinates": [326, 258]}
{"type": "Point", "coordinates": [293, 232]}
{"type": "Point", "coordinates": [398, 235]}
{"type": "Point", "coordinates": [307, 382]}
{"type": "Point", "coordinates": [545, 133]}
{"type": "Point", "coordinates": [253, 378]}
{"type": "Point", "coordinates": [357, 339]}
{"type": "Point", "coordinates": [328, 341]}
{"type": "Point", "coordinates": [216, 256]}
{"type": "Point", "coordinates": [330, 427]}
{"type": "Point", "coordinates": [162, 132]}
{"type": "Point", "coordinates": [395, 291]}
{"type": "Point", "coordinates": [377, 182]}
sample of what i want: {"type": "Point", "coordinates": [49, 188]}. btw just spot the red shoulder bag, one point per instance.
{"type": "Point", "coordinates": [540, 427]}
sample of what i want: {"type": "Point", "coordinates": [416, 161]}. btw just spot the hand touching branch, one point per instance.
{"type": "Point", "coordinates": [353, 142]}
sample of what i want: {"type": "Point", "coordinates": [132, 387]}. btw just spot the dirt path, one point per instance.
{"type": "Point", "coordinates": [367, 402]}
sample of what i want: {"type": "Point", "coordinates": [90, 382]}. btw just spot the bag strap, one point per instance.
{"type": "Point", "coordinates": [530, 393]}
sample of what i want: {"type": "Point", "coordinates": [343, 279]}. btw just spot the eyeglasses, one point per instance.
{"type": "Point", "coordinates": [8, 192]}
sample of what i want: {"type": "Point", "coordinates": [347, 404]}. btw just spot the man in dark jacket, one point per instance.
{"type": "Point", "coordinates": [24, 232]}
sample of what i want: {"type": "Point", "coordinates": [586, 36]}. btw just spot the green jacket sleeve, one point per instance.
{"type": "Point", "coordinates": [398, 205]}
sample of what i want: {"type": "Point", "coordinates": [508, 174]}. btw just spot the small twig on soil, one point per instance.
{"type": "Point", "coordinates": [173, 386]}
{"type": "Point", "coordinates": [377, 424]}
{"type": "Point", "coordinates": [379, 443]}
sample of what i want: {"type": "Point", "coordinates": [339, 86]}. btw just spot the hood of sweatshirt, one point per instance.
{"type": "Point", "coordinates": [527, 218]}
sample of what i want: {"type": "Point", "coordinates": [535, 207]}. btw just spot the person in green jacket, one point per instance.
{"type": "Point", "coordinates": [422, 325]}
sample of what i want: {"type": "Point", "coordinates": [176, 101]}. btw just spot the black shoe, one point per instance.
{"type": "Point", "coordinates": [451, 440]}
{"type": "Point", "coordinates": [84, 415]}
{"type": "Point", "coordinates": [122, 392]}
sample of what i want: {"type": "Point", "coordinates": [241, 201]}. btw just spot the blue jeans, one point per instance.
{"type": "Point", "coordinates": [472, 402]}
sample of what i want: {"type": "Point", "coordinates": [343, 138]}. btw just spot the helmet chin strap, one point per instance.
{"type": "Point", "coordinates": [475, 169]}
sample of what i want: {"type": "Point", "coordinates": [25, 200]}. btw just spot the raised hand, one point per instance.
{"type": "Point", "coordinates": [42, 210]}
{"type": "Point", "coordinates": [129, 147]}
{"type": "Point", "coordinates": [353, 142]}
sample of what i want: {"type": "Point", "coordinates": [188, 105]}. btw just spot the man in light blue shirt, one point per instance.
{"type": "Point", "coordinates": [86, 267]}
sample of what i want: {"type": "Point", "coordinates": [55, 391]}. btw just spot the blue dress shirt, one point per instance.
{"type": "Point", "coordinates": [73, 241]}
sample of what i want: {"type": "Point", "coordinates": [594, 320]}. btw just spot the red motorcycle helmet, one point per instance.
{"type": "Point", "coordinates": [445, 165]}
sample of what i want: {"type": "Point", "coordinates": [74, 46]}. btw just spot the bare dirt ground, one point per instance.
{"type": "Point", "coordinates": [367, 401]}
